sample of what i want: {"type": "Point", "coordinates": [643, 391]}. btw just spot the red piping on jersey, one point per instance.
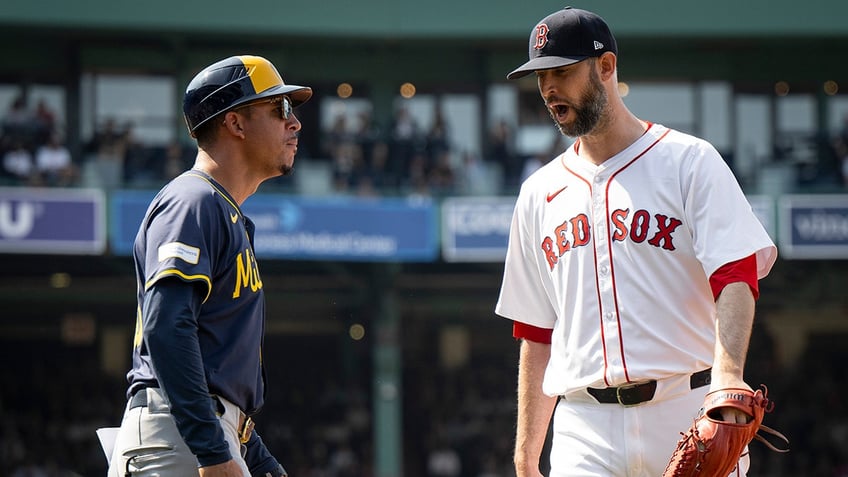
{"type": "Point", "coordinates": [597, 285]}
{"type": "Point", "coordinates": [609, 246]}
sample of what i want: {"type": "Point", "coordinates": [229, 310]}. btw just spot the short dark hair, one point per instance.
{"type": "Point", "coordinates": [206, 133]}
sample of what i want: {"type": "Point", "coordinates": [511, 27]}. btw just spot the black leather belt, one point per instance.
{"type": "Point", "coordinates": [632, 394]}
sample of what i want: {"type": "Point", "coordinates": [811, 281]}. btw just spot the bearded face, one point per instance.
{"type": "Point", "coordinates": [588, 113]}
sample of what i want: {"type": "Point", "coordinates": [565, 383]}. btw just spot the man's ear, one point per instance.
{"type": "Point", "coordinates": [233, 123]}
{"type": "Point", "coordinates": [607, 63]}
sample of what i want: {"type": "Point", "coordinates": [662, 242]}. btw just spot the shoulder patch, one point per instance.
{"type": "Point", "coordinates": [184, 252]}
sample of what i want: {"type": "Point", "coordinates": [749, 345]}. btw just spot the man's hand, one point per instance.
{"type": "Point", "coordinates": [734, 416]}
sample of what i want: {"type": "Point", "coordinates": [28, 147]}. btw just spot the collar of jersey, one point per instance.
{"type": "Point", "coordinates": [209, 180]}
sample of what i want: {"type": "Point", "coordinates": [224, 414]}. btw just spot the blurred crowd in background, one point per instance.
{"type": "Point", "coordinates": [457, 422]}
{"type": "Point", "coordinates": [365, 159]}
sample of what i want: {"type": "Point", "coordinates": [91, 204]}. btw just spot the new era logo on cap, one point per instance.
{"type": "Point", "coordinates": [565, 37]}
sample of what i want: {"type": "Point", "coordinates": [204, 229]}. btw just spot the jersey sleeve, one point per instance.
{"type": "Point", "coordinates": [744, 270]}
{"type": "Point", "coordinates": [259, 460]}
{"type": "Point", "coordinates": [533, 333]}
{"type": "Point", "coordinates": [523, 295]}
{"type": "Point", "coordinates": [179, 236]}
{"type": "Point", "coordinates": [724, 226]}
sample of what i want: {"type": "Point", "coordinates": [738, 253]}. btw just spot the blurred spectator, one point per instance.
{"type": "Point", "coordinates": [377, 175]}
{"type": "Point", "coordinates": [347, 165]}
{"type": "Point", "coordinates": [501, 151]}
{"type": "Point", "coordinates": [442, 177]}
{"type": "Point", "coordinates": [18, 123]}
{"type": "Point", "coordinates": [845, 170]}
{"type": "Point", "coordinates": [54, 164]}
{"type": "Point", "coordinates": [337, 135]}
{"type": "Point", "coordinates": [18, 164]}
{"type": "Point", "coordinates": [436, 143]}
{"type": "Point", "coordinates": [177, 160]}
{"type": "Point", "coordinates": [840, 150]}
{"type": "Point", "coordinates": [416, 171]}
{"type": "Point", "coordinates": [345, 155]}
{"type": "Point", "coordinates": [374, 152]}
{"type": "Point", "coordinates": [45, 121]}
{"type": "Point", "coordinates": [404, 146]}
{"type": "Point", "coordinates": [107, 149]}
{"type": "Point", "coordinates": [473, 179]}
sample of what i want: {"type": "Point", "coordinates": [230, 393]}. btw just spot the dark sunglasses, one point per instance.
{"type": "Point", "coordinates": [283, 103]}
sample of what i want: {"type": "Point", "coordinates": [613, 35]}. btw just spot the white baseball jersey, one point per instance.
{"type": "Point", "coordinates": [615, 258]}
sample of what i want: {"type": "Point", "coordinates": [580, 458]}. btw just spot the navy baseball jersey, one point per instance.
{"type": "Point", "coordinates": [195, 232]}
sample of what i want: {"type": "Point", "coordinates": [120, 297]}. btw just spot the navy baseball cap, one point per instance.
{"type": "Point", "coordinates": [566, 37]}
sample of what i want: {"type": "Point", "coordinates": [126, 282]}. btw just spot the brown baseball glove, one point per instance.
{"type": "Point", "coordinates": [712, 447]}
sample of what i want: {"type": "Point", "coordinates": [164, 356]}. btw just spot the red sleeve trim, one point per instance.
{"type": "Point", "coordinates": [532, 333]}
{"type": "Point", "coordinates": [744, 270]}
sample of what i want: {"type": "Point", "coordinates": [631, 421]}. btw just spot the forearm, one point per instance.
{"type": "Point", "coordinates": [534, 407]}
{"type": "Point", "coordinates": [259, 459]}
{"type": "Point", "coordinates": [171, 333]}
{"type": "Point", "coordinates": [734, 320]}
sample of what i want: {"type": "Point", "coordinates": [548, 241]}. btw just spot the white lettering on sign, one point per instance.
{"type": "Point", "coordinates": [16, 222]}
{"type": "Point", "coordinates": [822, 226]}
{"type": "Point", "coordinates": [481, 220]}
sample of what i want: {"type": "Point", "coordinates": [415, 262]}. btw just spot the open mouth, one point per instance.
{"type": "Point", "coordinates": [558, 111]}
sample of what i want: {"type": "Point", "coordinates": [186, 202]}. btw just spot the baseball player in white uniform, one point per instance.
{"type": "Point", "coordinates": [631, 273]}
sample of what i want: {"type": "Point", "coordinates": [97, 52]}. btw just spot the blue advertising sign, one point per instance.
{"type": "Point", "coordinates": [126, 210]}
{"type": "Point", "coordinates": [814, 226]}
{"type": "Point", "coordinates": [344, 228]}
{"type": "Point", "coordinates": [336, 228]}
{"type": "Point", "coordinates": [476, 229]}
{"type": "Point", "coordinates": [52, 221]}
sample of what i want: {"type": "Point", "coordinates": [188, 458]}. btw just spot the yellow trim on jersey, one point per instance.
{"type": "Point", "coordinates": [188, 278]}
{"type": "Point", "coordinates": [224, 195]}
{"type": "Point", "coordinates": [137, 336]}
{"type": "Point", "coordinates": [260, 72]}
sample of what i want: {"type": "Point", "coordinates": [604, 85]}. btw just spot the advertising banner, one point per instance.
{"type": "Point", "coordinates": [333, 228]}
{"type": "Point", "coordinates": [52, 221]}
{"type": "Point", "coordinates": [476, 229]}
{"type": "Point", "coordinates": [814, 226]}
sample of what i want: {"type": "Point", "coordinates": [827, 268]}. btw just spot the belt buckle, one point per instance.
{"type": "Point", "coordinates": [245, 430]}
{"type": "Point", "coordinates": [625, 387]}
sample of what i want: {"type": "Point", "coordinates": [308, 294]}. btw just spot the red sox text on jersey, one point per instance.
{"type": "Point", "coordinates": [576, 232]}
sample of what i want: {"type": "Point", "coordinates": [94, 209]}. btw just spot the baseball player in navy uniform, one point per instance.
{"type": "Point", "coordinates": [197, 374]}
{"type": "Point", "coordinates": [631, 273]}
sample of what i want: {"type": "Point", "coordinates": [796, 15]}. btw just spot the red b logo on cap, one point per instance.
{"type": "Point", "coordinates": [541, 36]}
